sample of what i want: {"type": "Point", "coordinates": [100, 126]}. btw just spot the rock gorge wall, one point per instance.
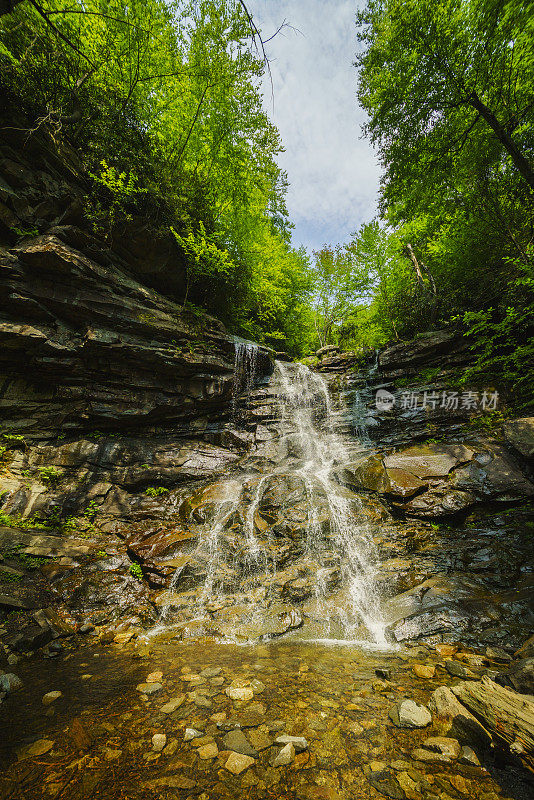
{"type": "Point", "coordinates": [109, 389]}
{"type": "Point", "coordinates": [106, 381]}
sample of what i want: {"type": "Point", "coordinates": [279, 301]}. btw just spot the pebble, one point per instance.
{"type": "Point", "coordinates": [408, 714]}
{"type": "Point", "coordinates": [51, 697]}
{"type": "Point", "coordinates": [237, 763]}
{"type": "Point", "coordinates": [9, 682]}
{"type": "Point", "coordinates": [159, 740]}
{"type": "Point", "coordinates": [149, 688]}
{"type": "Point", "coordinates": [298, 742]}
{"type": "Point", "coordinates": [154, 677]}
{"type": "Point", "coordinates": [285, 757]}
{"type": "Point", "coordinates": [236, 693]}
{"type": "Point", "coordinates": [191, 733]}
{"type": "Point", "coordinates": [172, 705]}
{"type": "Point", "coordinates": [424, 670]}
{"type": "Point", "coordinates": [208, 751]}
{"type": "Point", "coordinates": [237, 742]}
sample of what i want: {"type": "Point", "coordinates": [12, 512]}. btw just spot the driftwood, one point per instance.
{"type": "Point", "coordinates": [507, 715]}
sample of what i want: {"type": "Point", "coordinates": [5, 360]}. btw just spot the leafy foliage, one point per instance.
{"type": "Point", "coordinates": [162, 100]}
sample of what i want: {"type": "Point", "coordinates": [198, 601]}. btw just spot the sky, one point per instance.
{"type": "Point", "coordinates": [333, 172]}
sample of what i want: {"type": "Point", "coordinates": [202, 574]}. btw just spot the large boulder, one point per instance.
{"type": "Point", "coordinates": [520, 434]}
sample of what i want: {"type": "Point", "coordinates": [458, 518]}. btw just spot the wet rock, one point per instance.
{"type": "Point", "coordinates": [452, 719]}
{"type": "Point", "coordinates": [386, 783]}
{"type": "Point", "coordinates": [32, 637]}
{"type": "Point", "coordinates": [235, 740]}
{"type": "Point", "coordinates": [468, 756]}
{"type": "Point", "coordinates": [298, 742]}
{"type": "Point", "coordinates": [191, 733]}
{"type": "Point", "coordinates": [384, 673]}
{"type": "Point", "coordinates": [172, 705]}
{"type": "Point", "coordinates": [458, 670]}
{"type": "Point", "coordinates": [409, 714]}
{"type": "Point", "coordinates": [424, 670]}
{"type": "Point", "coordinates": [9, 682]}
{"type": "Point", "coordinates": [239, 693]}
{"type": "Point", "coordinates": [526, 650]}
{"type": "Point", "coordinates": [498, 654]}
{"type": "Point", "coordinates": [444, 745]}
{"type": "Point", "coordinates": [38, 748]}
{"type": "Point", "coordinates": [237, 763]}
{"type": "Point", "coordinates": [159, 740]}
{"type": "Point", "coordinates": [79, 735]}
{"type": "Point", "coordinates": [180, 782]}
{"type": "Point", "coordinates": [285, 757]}
{"type": "Point", "coordinates": [259, 740]}
{"type": "Point", "coordinates": [520, 434]}
{"type": "Point", "coordinates": [51, 697]}
{"type": "Point", "coordinates": [431, 756]}
{"type": "Point", "coordinates": [520, 676]}
{"type": "Point", "coordinates": [208, 751]}
{"type": "Point", "coordinates": [429, 460]}
{"type": "Point", "coordinates": [149, 688]}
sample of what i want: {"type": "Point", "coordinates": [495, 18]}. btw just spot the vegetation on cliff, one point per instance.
{"type": "Point", "coordinates": [448, 88]}
{"type": "Point", "coordinates": [162, 100]}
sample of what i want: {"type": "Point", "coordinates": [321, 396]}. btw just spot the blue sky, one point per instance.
{"type": "Point", "coordinates": [333, 172]}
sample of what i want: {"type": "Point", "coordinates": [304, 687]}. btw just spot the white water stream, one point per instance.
{"type": "Point", "coordinates": [310, 451]}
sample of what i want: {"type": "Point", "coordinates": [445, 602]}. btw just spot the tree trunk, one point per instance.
{"type": "Point", "coordinates": [504, 713]}
{"type": "Point", "coordinates": [522, 163]}
{"type": "Point", "coordinates": [417, 268]}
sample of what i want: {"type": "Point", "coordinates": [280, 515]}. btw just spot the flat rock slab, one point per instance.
{"type": "Point", "coordinates": [429, 460]}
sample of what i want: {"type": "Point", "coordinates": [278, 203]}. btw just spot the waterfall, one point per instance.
{"type": "Point", "coordinates": [283, 519]}
{"type": "Point", "coordinates": [305, 408]}
{"type": "Point", "coordinates": [245, 368]}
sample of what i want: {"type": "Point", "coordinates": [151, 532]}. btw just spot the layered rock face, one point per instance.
{"type": "Point", "coordinates": [106, 383]}
{"type": "Point", "coordinates": [145, 478]}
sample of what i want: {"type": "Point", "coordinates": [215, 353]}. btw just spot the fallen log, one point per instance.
{"type": "Point", "coordinates": [507, 715]}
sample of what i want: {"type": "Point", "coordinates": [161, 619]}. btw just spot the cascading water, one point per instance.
{"type": "Point", "coordinates": [245, 367]}
{"type": "Point", "coordinates": [284, 521]}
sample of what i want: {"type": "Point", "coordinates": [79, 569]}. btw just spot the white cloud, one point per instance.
{"type": "Point", "coordinates": [333, 172]}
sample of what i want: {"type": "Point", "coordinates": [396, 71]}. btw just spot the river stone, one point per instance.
{"type": "Point", "coordinates": [420, 754]}
{"type": "Point", "coordinates": [173, 704]}
{"type": "Point", "coordinates": [51, 697]}
{"type": "Point", "coordinates": [9, 682]}
{"type": "Point", "coordinates": [191, 733]}
{"type": "Point", "coordinates": [298, 742]}
{"type": "Point", "coordinates": [236, 741]}
{"type": "Point", "coordinates": [239, 693]}
{"type": "Point", "coordinates": [38, 748]}
{"type": "Point", "coordinates": [208, 751]}
{"type": "Point", "coordinates": [159, 740]}
{"type": "Point", "coordinates": [285, 757]}
{"type": "Point", "coordinates": [442, 744]}
{"type": "Point", "coordinates": [238, 763]}
{"type": "Point", "coordinates": [408, 714]}
{"type": "Point", "coordinates": [149, 688]}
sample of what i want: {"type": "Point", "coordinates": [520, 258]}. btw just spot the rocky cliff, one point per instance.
{"type": "Point", "coordinates": [121, 410]}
